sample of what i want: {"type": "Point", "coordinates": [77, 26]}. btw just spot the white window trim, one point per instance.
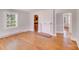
{"type": "Point", "coordinates": [16, 15]}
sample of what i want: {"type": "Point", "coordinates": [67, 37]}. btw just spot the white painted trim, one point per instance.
{"type": "Point", "coordinates": [59, 32]}
{"type": "Point", "coordinates": [16, 32]}
{"type": "Point", "coordinates": [54, 34]}
{"type": "Point", "coordinates": [55, 22]}
{"type": "Point", "coordinates": [74, 39]}
{"type": "Point", "coordinates": [51, 34]}
{"type": "Point", "coordinates": [70, 20]}
{"type": "Point", "coordinates": [7, 12]}
{"type": "Point", "coordinates": [77, 43]}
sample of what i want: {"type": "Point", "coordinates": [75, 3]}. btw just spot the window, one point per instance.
{"type": "Point", "coordinates": [11, 20]}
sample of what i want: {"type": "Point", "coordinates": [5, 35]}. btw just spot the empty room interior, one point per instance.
{"type": "Point", "coordinates": [39, 29]}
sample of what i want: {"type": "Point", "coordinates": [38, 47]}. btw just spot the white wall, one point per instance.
{"type": "Point", "coordinates": [59, 23]}
{"type": "Point", "coordinates": [45, 20]}
{"type": "Point", "coordinates": [77, 27]}
{"type": "Point", "coordinates": [23, 23]}
{"type": "Point", "coordinates": [77, 24]}
{"type": "Point", "coordinates": [54, 22]}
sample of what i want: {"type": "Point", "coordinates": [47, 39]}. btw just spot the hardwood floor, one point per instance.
{"type": "Point", "coordinates": [36, 41]}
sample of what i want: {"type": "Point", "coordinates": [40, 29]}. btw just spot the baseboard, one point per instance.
{"type": "Point", "coordinates": [60, 34]}
{"type": "Point", "coordinates": [51, 34]}
{"type": "Point", "coordinates": [14, 32]}
{"type": "Point", "coordinates": [54, 34]}
{"type": "Point", "coordinates": [77, 43]}
{"type": "Point", "coordinates": [76, 40]}
{"type": "Point", "coordinates": [73, 39]}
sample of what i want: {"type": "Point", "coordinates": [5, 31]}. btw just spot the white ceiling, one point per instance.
{"type": "Point", "coordinates": [29, 10]}
{"type": "Point", "coordinates": [32, 10]}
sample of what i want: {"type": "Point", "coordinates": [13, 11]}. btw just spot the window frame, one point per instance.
{"type": "Point", "coordinates": [16, 18]}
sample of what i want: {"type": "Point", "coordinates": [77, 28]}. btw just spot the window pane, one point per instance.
{"type": "Point", "coordinates": [11, 20]}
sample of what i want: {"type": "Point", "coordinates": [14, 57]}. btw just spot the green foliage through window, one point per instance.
{"type": "Point", "coordinates": [11, 20]}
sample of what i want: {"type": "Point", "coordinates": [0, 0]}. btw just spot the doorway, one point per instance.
{"type": "Point", "coordinates": [35, 23]}
{"type": "Point", "coordinates": [67, 24]}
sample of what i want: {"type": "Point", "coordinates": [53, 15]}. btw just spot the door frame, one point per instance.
{"type": "Point", "coordinates": [70, 27]}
